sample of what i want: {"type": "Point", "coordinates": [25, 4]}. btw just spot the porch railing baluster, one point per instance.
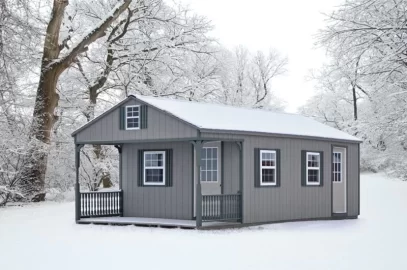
{"type": "Point", "coordinates": [104, 203]}
{"type": "Point", "coordinates": [91, 204]}
{"type": "Point", "coordinates": [117, 203]}
{"type": "Point", "coordinates": [98, 208]}
{"type": "Point", "coordinates": [204, 199]}
{"type": "Point", "coordinates": [210, 207]}
{"type": "Point", "coordinates": [110, 204]}
{"type": "Point", "coordinates": [114, 204]}
{"type": "Point", "coordinates": [81, 204]}
{"type": "Point", "coordinates": [89, 207]}
{"type": "Point", "coordinates": [228, 208]}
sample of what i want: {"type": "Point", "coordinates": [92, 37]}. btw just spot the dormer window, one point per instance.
{"type": "Point", "coordinates": [132, 117]}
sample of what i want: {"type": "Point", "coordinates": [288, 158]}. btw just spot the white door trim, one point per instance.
{"type": "Point", "coordinates": [344, 179]}
{"type": "Point", "coordinates": [214, 144]}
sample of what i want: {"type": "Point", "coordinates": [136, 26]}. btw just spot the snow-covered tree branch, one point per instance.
{"type": "Point", "coordinates": [363, 88]}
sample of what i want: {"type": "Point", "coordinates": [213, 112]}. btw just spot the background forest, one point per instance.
{"type": "Point", "coordinates": [63, 63]}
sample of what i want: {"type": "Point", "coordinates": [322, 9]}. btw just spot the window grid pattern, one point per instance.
{"type": "Point", "coordinates": [209, 164]}
{"type": "Point", "coordinates": [313, 168]}
{"type": "Point", "coordinates": [268, 162]}
{"type": "Point", "coordinates": [154, 169]}
{"type": "Point", "coordinates": [337, 167]}
{"type": "Point", "coordinates": [132, 117]}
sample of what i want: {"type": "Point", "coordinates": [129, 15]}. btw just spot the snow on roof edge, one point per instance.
{"type": "Point", "coordinates": [282, 134]}
{"type": "Point", "coordinates": [145, 98]}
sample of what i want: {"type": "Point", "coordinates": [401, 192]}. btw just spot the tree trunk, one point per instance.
{"type": "Point", "coordinates": [355, 105]}
{"type": "Point", "coordinates": [354, 85]}
{"type": "Point", "coordinates": [33, 174]}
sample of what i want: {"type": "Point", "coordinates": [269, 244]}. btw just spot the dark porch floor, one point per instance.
{"type": "Point", "coordinates": [158, 222]}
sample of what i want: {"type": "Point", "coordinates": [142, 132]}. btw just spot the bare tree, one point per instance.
{"type": "Point", "coordinates": [247, 78]}
{"type": "Point", "coordinates": [52, 66]}
{"type": "Point", "coordinates": [149, 51]}
{"type": "Point", "coordinates": [19, 40]}
{"type": "Point", "coordinates": [365, 81]}
{"type": "Point", "coordinates": [263, 70]}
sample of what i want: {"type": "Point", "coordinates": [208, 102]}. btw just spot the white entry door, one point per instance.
{"type": "Point", "coordinates": [210, 174]}
{"type": "Point", "coordinates": [210, 168]}
{"type": "Point", "coordinates": [339, 180]}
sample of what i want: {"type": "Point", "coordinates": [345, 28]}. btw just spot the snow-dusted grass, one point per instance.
{"type": "Point", "coordinates": [44, 236]}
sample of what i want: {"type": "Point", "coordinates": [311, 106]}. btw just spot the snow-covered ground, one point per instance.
{"type": "Point", "coordinates": [44, 236]}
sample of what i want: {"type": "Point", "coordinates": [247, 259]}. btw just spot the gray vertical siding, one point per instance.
{"type": "Point", "coordinates": [231, 183]}
{"type": "Point", "coordinates": [160, 126]}
{"type": "Point", "coordinates": [158, 202]}
{"type": "Point", "coordinates": [291, 201]}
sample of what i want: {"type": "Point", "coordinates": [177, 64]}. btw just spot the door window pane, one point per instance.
{"type": "Point", "coordinates": [337, 167]}
{"type": "Point", "coordinates": [209, 164]}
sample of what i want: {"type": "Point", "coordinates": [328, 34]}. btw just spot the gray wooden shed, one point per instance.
{"type": "Point", "coordinates": [254, 166]}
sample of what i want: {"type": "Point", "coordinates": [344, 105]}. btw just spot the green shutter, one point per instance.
{"type": "Point", "coordinates": [257, 167]}
{"type": "Point", "coordinates": [122, 118]}
{"type": "Point", "coordinates": [143, 116]}
{"type": "Point", "coordinates": [278, 169]}
{"type": "Point", "coordinates": [140, 168]}
{"type": "Point", "coordinates": [321, 166]}
{"type": "Point", "coordinates": [168, 168]}
{"type": "Point", "coordinates": [303, 168]}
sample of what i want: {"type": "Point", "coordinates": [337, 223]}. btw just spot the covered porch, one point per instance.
{"type": "Point", "coordinates": [158, 222]}
{"type": "Point", "coordinates": [210, 211]}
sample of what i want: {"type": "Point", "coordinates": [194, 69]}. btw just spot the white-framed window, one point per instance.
{"type": "Point", "coordinates": [132, 117]}
{"type": "Point", "coordinates": [154, 168]}
{"type": "Point", "coordinates": [337, 167]}
{"type": "Point", "coordinates": [268, 171]}
{"type": "Point", "coordinates": [209, 164]}
{"type": "Point", "coordinates": [313, 176]}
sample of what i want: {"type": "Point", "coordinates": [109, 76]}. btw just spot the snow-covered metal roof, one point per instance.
{"type": "Point", "coordinates": [209, 116]}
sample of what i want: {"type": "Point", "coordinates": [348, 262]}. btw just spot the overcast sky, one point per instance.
{"type": "Point", "coordinates": [286, 25]}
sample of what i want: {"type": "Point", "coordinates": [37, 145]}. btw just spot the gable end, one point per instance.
{"type": "Point", "coordinates": [153, 123]}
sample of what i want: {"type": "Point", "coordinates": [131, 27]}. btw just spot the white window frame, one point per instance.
{"type": "Point", "coordinates": [268, 167]}
{"type": "Point", "coordinates": [153, 167]}
{"type": "Point", "coordinates": [217, 165]}
{"type": "Point", "coordinates": [335, 171]}
{"type": "Point", "coordinates": [313, 168]}
{"type": "Point", "coordinates": [133, 117]}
